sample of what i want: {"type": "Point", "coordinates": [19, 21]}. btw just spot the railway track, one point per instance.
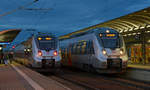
{"type": "Point", "coordinates": [92, 81]}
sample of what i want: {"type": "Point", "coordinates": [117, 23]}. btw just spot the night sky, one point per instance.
{"type": "Point", "coordinates": [65, 16]}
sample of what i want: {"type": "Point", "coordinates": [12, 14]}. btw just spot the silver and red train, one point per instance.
{"type": "Point", "coordinates": [102, 50]}
{"type": "Point", "coordinates": [40, 50]}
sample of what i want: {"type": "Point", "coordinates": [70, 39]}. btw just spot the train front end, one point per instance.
{"type": "Point", "coordinates": [112, 52]}
{"type": "Point", "coordinates": [46, 51]}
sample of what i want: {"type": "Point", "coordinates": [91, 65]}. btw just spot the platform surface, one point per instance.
{"type": "Point", "coordinates": [18, 77]}
{"type": "Point", "coordinates": [139, 66]}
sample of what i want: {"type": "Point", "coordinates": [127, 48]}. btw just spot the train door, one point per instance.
{"type": "Point", "coordinates": [91, 53]}
{"type": "Point", "coordinates": [62, 55]}
{"type": "Point", "coordinates": [65, 59]}
{"type": "Point", "coordinates": [69, 56]}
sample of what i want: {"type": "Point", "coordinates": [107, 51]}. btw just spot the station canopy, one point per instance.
{"type": "Point", "coordinates": [127, 25]}
{"type": "Point", "coordinates": [7, 36]}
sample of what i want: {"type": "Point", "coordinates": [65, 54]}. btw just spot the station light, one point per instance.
{"type": "Point", "coordinates": [138, 33]}
{"type": "Point", "coordinates": [125, 30]}
{"type": "Point", "coordinates": [121, 31]}
{"type": "Point", "coordinates": [142, 27]}
{"type": "Point", "coordinates": [107, 31]}
{"type": "Point", "coordinates": [129, 34]}
{"type": "Point", "coordinates": [100, 35]}
{"type": "Point", "coordinates": [148, 31]}
{"type": "Point", "coordinates": [148, 26]}
{"type": "Point", "coordinates": [133, 33]}
{"type": "Point", "coordinates": [131, 29]}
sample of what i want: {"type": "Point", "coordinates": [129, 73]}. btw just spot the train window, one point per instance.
{"type": "Point", "coordinates": [74, 48]}
{"type": "Point", "coordinates": [111, 40]}
{"type": "Point", "coordinates": [65, 53]}
{"type": "Point", "coordinates": [90, 48]}
{"type": "Point", "coordinates": [83, 47]}
{"type": "Point", "coordinates": [48, 44]}
{"type": "Point", "coordinates": [71, 47]}
{"type": "Point", "coordinates": [78, 49]}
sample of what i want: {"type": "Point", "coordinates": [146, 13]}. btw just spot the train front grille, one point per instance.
{"type": "Point", "coordinates": [114, 63]}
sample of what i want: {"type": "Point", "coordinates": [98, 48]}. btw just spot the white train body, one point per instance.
{"type": "Point", "coordinates": [41, 51]}
{"type": "Point", "coordinates": [102, 50]}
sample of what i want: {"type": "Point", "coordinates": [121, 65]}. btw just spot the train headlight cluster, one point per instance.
{"type": "Point", "coordinates": [39, 53]}
{"type": "Point", "coordinates": [104, 52]}
{"type": "Point", "coordinates": [1, 48]}
{"type": "Point", "coordinates": [27, 50]}
{"type": "Point", "coordinates": [55, 53]}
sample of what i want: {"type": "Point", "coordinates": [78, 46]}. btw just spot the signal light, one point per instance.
{"type": "Point", "coordinates": [55, 53]}
{"type": "Point", "coordinates": [39, 53]}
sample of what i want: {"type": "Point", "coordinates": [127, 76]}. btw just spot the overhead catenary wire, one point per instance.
{"type": "Point", "coordinates": [19, 8]}
{"type": "Point", "coordinates": [40, 12]}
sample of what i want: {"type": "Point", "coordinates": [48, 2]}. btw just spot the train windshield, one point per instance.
{"type": "Point", "coordinates": [111, 40]}
{"type": "Point", "coordinates": [47, 43]}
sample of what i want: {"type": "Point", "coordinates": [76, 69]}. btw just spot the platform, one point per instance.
{"type": "Point", "coordinates": [18, 77]}
{"type": "Point", "coordinates": [139, 66]}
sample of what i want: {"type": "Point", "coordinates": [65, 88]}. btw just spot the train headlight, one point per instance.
{"type": "Point", "coordinates": [39, 53]}
{"type": "Point", "coordinates": [1, 48]}
{"type": "Point", "coordinates": [104, 52]}
{"type": "Point", "coordinates": [28, 50]}
{"type": "Point", "coordinates": [121, 51]}
{"type": "Point", "coordinates": [55, 53]}
{"type": "Point", "coordinates": [24, 49]}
